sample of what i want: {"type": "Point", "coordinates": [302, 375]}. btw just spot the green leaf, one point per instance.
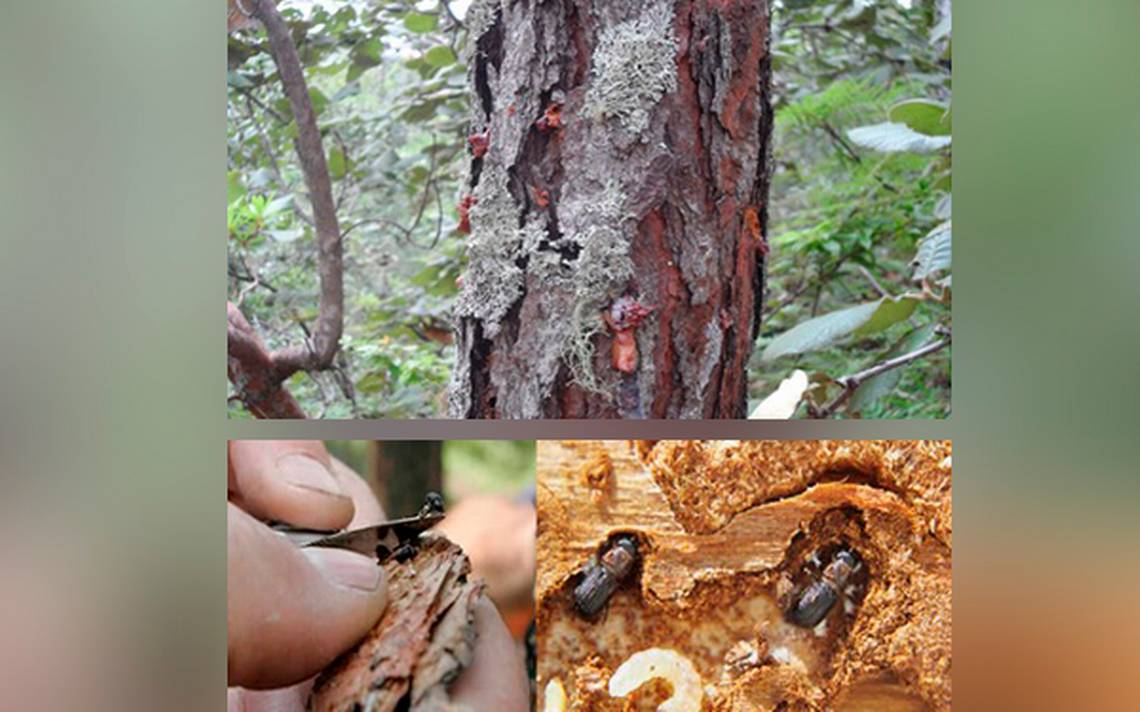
{"type": "Point", "coordinates": [945, 207]}
{"type": "Point", "coordinates": [234, 189]}
{"type": "Point", "coordinates": [320, 101]}
{"type": "Point", "coordinates": [922, 115]}
{"type": "Point", "coordinates": [825, 330]}
{"type": "Point", "coordinates": [942, 29]}
{"type": "Point", "coordinates": [881, 385]}
{"type": "Point", "coordinates": [367, 53]}
{"type": "Point", "coordinates": [419, 22]}
{"type": "Point", "coordinates": [278, 205]}
{"type": "Point", "coordinates": [238, 81]}
{"type": "Point", "coordinates": [372, 382]}
{"type": "Point", "coordinates": [819, 332]}
{"type": "Point", "coordinates": [350, 89]}
{"type": "Point", "coordinates": [933, 252]}
{"type": "Point", "coordinates": [338, 164]}
{"type": "Point", "coordinates": [288, 235]}
{"type": "Point", "coordinates": [858, 17]}
{"type": "Point", "coordinates": [893, 138]}
{"type": "Point", "coordinates": [420, 112]}
{"type": "Point", "coordinates": [440, 56]}
{"type": "Point", "coordinates": [890, 312]}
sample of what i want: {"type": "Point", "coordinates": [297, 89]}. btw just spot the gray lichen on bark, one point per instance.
{"type": "Point", "coordinates": [634, 67]}
{"type": "Point", "coordinates": [479, 18]}
{"type": "Point", "coordinates": [600, 273]}
{"type": "Point", "coordinates": [493, 279]}
{"type": "Point", "coordinates": [626, 159]}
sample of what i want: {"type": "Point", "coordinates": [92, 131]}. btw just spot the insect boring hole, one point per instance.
{"type": "Point", "coordinates": [851, 476]}
{"type": "Point", "coordinates": [825, 576]}
{"type": "Point", "coordinates": [614, 567]}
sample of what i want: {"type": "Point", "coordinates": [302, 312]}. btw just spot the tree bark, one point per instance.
{"type": "Point", "coordinates": [424, 640]}
{"type": "Point", "coordinates": [617, 204]}
{"type": "Point", "coordinates": [253, 373]}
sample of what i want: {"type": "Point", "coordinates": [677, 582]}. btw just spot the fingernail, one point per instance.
{"type": "Point", "coordinates": [307, 473]}
{"type": "Point", "coordinates": [346, 568]}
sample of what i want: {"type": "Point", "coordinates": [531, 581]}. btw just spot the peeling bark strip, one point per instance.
{"type": "Point", "coordinates": [649, 183]}
{"type": "Point", "coordinates": [425, 638]}
{"type": "Point", "coordinates": [319, 350]}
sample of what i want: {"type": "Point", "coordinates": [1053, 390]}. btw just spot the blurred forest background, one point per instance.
{"type": "Point", "coordinates": [402, 472]}
{"type": "Point", "coordinates": [859, 234]}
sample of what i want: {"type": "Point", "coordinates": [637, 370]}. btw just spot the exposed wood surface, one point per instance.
{"type": "Point", "coordinates": [725, 529]}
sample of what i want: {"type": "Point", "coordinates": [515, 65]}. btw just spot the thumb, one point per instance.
{"type": "Point", "coordinates": [292, 611]}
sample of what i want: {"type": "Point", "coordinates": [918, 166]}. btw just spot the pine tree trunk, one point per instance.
{"type": "Point", "coordinates": [617, 202]}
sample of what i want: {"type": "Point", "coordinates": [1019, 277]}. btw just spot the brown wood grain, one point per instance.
{"type": "Point", "coordinates": [723, 528]}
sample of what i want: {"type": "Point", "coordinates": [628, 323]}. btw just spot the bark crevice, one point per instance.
{"type": "Point", "coordinates": [637, 153]}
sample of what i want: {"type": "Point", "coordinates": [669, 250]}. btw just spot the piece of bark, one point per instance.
{"type": "Point", "coordinates": [421, 644]}
{"type": "Point", "coordinates": [724, 529]}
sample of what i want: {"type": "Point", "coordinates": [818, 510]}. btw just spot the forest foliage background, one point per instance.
{"type": "Point", "coordinates": [859, 238]}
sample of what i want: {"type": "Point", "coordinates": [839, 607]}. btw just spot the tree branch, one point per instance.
{"type": "Point", "coordinates": [330, 310]}
{"type": "Point", "coordinates": [252, 371]}
{"type": "Point", "coordinates": [874, 282]}
{"type": "Point", "coordinates": [852, 382]}
{"type": "Point", "coordinates": [317, 352]}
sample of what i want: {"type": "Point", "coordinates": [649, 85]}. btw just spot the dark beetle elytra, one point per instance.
{"type": "Point", "coordinates": [601, 578]}
{"type": "Point", "coordinates": [433, 504]}
{"type": "Point", "coordinates": [814, 602]}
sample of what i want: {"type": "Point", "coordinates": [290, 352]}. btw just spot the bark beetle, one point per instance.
{"type": "Point", "coordinates": [694, 183]}
{"type": "Point", "coordinates": [723, 531]}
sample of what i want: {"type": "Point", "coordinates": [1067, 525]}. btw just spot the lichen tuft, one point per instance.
{"type": "Point", "coordinates": [480, 17]}
{"type": "Point", "coordinates": [601, 272]}
{"type": "Point", "coordinates": [493, 280]}
{"type": "Point", "coordinates": [634, 66]}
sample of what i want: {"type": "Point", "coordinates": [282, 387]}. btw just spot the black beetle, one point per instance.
{"type": "Point", "coordinates": [433, 504]}
{"type": "Point", "coordinates": [814, 602]}
{"type": "Point", "coordinates": [601, 578]}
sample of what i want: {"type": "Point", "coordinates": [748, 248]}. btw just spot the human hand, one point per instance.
{"type": "Point", "coordinates": [292, 612]}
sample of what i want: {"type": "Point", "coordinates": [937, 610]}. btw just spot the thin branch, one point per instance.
{"type": "Point", "coordinates": [319, 353]}
{"type": "Point", "coordinates": [263, 106]}
{"type": "Point", "coordinates": [847, 148]}
{"type": "Point", "coordinates": [256, 373]}
{"type": "Point", "coordinates": [438, 216]}
{"type": "Point", "coordinates": [852, 382]}
{"type": "Point", "coordinates": [267, 147]}
{"type": "Point", "coordinates": [838, 139]}
{"type": "Point", "coordinates": [451, 14]}
{"type": "Point", "coordinates": [427, 188]}
{"type": "Point", "coordinates": [377, 221]}
{"type": "Point", "coordinates": [251, 370]}
{"type": "Point", "coordinates": [871, 278]}
{"type": "Point", "coordinates": [431, 187]}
